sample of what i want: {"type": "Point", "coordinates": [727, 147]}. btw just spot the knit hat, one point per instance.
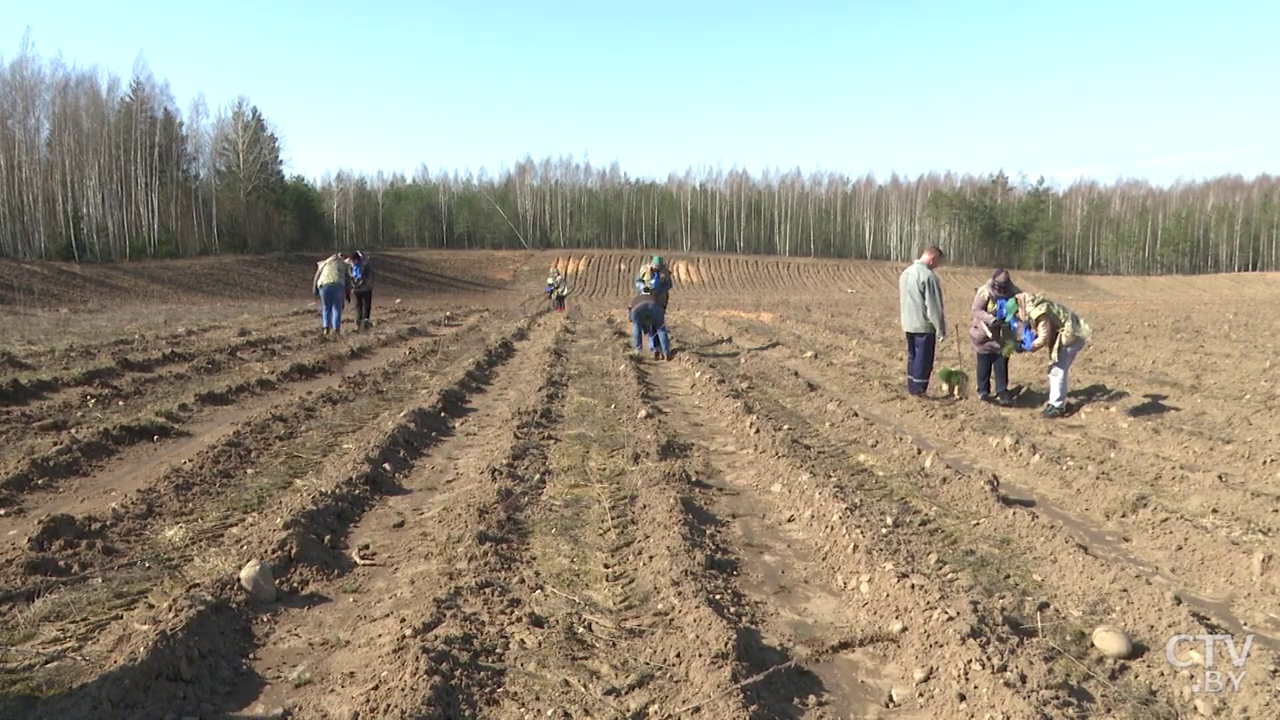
{"type": "Point", "coordinates": [1001, 282]}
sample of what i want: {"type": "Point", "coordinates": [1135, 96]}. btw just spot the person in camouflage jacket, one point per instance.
{"type": "Point", "coordinates": [557, 288]}
{"type": "Point", "coordinates": [1058, 328]}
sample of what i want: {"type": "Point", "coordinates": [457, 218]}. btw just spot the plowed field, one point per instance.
{"type": "Point", "coordinates": [482, 509]}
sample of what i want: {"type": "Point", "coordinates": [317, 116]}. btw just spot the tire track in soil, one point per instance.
{"type": "Point", "coordinates": [623, 620]}
{"type": "Point", "coordinates": [1076, 585]}
{"type": "Point", "coordinates": [189, 650]}
{"type": "Point", "coordinates": [26, 490]}
{"type": "Point", "coordinates": [420, 634]}
{"type": "Point", "coordinates": [1154, 541]}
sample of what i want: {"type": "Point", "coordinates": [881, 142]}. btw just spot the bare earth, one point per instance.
{"type": "Point", "coordinates": [480, 509]}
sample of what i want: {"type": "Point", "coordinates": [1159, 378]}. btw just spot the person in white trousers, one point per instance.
{"type": "Point", "coordinates": [1060, 329]}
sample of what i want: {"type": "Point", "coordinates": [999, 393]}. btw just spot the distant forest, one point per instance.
{"type": "Point", "coordinates": [94, 168]}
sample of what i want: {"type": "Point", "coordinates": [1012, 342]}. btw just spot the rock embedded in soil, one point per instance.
{"type": "Point", "coordinates": [257, 580]}
{"type": "Point", "coordinates": [1112, 642]}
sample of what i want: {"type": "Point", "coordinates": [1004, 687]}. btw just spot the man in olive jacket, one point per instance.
{"type": "Point", "coordinates": [923, 318]}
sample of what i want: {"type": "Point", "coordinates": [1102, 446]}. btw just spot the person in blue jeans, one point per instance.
{"type": "Point", "coordinates": [648, 318]}
{"type": "Point", "coordinates": [332, 284]}
{"type": "Point", "coordinates": [655, 280]}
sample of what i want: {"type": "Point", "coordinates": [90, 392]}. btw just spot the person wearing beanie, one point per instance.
{"type": "Point", "coordinates": [985, 332]}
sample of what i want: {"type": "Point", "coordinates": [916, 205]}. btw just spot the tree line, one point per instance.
{"type": "Point", "coordinates": [97, 169]}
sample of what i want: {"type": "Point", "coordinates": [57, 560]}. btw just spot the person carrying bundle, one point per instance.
{"type": "Point", "coordinates": [362, 287]}
{"type": "Point", "coordinates": [557, 289]}
{"type": "Point", "coordinates": [986, 334]}
{"type": "Point", "coordinates": [1038, 322]}
{"type": "Point", "coordinates": [655, 281]}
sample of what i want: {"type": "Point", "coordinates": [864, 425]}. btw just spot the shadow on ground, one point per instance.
{"type": "Point", "coordinates": [785, 693]}
{"type": "Point", "coordinates": [1154, 405]}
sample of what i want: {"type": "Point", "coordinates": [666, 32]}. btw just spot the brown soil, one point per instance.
{"type": "Point", "coordinates": [482, 509]}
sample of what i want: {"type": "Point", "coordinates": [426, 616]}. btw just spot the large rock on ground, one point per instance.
{"type": "Point", "coordinates": [1112, 642]}
{"type": "Point", "coordinates": [257, 580]}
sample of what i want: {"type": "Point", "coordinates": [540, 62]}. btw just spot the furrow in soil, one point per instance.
{"type": "Point", "coordinates": [417, 625]}
{"type": "Point", "coordinates": [623, 618]}
{"type": "Point", "coordinates": [110, 570]}
{"type": "Point", "coordinates": [109, 460]}
{"type": "Point", "coordinates": [1028, 581]}
{"type": "Point", "coordinates": [1072, 481]}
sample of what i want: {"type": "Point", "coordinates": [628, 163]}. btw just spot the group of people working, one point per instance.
{"type": "Point", "coordinates": [648, 308]}
{"type": "Point", "coordinates": [1006, 321]}
{"type": "Point", "coordinates": [337, 278]}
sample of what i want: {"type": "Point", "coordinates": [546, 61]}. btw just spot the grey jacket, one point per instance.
{"type": "Point", "coordinates": [920, 301]}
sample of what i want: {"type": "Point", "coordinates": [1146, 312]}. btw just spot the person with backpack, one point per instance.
{"type": "Point", "coordinates": [648, 318]}
{"type": "Point", "coordinates": [557, 288]}
{"type": "Point", "coordinates": [362, 287]}
{"type": "Point", "coordinates": [655, 281]}
{"type": "Point", "coordinates": [332, 284]}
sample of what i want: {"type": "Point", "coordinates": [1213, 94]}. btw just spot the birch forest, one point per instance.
{"type": "Point", "coordinates": [95, 167]}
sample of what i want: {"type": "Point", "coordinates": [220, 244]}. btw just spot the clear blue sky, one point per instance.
{"type": "Point", "coordinates": [1129, 87]}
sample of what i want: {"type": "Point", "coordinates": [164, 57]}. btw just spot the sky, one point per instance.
{"type": "Point", "coordinates": [1127, 88]}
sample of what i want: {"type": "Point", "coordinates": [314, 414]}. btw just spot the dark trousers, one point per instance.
{"type": "Point", "coordinates": [987, 363]}
{"type": "Point", "coordinates": [364, 304]}
{"type": "Point", "coordinates": [920, 349]}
